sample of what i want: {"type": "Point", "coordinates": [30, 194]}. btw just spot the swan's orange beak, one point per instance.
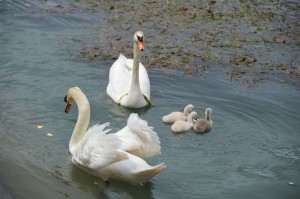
{"type": "Point", "coordinates": [140, 45]}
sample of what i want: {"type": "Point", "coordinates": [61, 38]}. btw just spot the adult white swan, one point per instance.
{"type": "Point", "coordinates": [129, 84]}
{"type": "Point", "coordinates": [99, 153]}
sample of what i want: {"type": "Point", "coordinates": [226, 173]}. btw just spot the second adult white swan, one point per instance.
{"type": "Point", "coordinates": [129, 84]}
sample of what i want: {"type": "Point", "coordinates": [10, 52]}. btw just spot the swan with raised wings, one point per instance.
{"type": "Point", "coordinates": [101, 153]}
{"type": "Point", "coordinates": [129, 84]}
{"type": "Point", "coordinates": [138, 138]}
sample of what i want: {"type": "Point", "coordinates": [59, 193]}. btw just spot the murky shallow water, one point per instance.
{"type": "Point", "coordinates": [253, 150]}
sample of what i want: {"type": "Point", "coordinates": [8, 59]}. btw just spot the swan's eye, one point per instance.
{"type": "Point", "coordinates": [65, 99]}
{"type": "Point", "coordinates": [140, 38]}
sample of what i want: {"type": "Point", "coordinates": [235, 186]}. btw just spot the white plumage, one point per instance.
{"type": "Point", "coordinates": [182, 126]}
{"type": "Point", "coordinates": [139, 138]}
{"type": "Point", "coordinates": [104, 154]}
{"type": "Point", "coordinates": [129, 84]}
{"type": "Point", "coordinates": [176, 115]}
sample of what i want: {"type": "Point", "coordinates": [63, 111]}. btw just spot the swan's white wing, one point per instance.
{"type": "Point", "coordinates": [142, 129]}
{"type": "Point", "coordinates": [144, 81]}
{"type": "Point", "coordinates": [97, 148]}
{"type": "Point", "coordinates": [139, 136]}
{"type": "Point", "coordinates": [119, 78]}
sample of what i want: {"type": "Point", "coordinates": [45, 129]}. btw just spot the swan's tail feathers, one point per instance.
{"type": "Point", "coordinates": [146, 134]}
{"type": "Point", "coordinates": [147, 174]}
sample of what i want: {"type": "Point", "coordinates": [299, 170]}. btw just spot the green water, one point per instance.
{"type": "Point", "coordinates": [253, 150]}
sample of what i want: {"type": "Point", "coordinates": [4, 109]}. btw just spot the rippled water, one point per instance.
{"type": "Point", "coordinates": [253, 150]}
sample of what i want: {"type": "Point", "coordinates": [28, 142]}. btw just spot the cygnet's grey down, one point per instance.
{"type": "Point", "coordinates": [182, 126]}
{"type": "Point", "coordinates": [174, 116]}
{"type": "Point", "coordinates": [204, 125]}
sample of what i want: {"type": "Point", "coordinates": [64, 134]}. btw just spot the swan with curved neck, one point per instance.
{"type": "Point", "coordinates": [204, 125]}
{"type": "Point", "coordinates": [101, 153]}
{"type": "Point", "coordinates": [129, 84]}
{"type": "Point", "coordinates": [176, 115]}
{"type": "Point", "coordinates": [83, 119]}
{"type": "Point", "coordinates": [182, 126]}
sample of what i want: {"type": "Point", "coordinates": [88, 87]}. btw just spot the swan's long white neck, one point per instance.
{"type": "Point", "coordinates": [83, 118]}
{"type": "Point", "coordinates": [135, 82]}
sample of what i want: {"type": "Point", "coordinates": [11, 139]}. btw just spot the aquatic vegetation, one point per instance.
{"type": "Point", "coordinates": [245, 33]}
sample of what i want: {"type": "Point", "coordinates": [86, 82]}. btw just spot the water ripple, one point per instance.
{"type": "Point", "coordinates": [285, 153]}
{"type": "Point", "coordinates": [265, 173]}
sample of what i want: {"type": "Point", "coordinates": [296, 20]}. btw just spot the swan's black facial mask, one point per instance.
{"type": "Point", "coordinates": [68, 105]}
{"type": "Point", "coordinates": [140, 43]}
{"type": "Point", "coordinates": [140, 38]}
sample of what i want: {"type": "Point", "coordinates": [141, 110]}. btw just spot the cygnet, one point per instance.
{"type": "Point", "coordinates": [204, 125]}
{"type": "Point", "coordinates": [174, 116]}
{"type": "Point", "coordinates": [182, 126]}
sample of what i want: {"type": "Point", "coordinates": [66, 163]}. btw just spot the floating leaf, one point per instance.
{"type": "Point", "coordinates": [291, 183]}
{"type": "Point", "coordinates": [49, 134]}
{"type": "Point", "coordinates": [39, 126]}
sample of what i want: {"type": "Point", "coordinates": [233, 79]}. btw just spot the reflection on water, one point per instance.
{"type": "Point", "coordinates": [100, 189]}
{"type": "Point", "coordinates": [252, 148]}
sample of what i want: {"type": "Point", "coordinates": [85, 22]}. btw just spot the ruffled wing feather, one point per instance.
{"type": "Point", "coordinates": [139, 136]}
{"type": "Point", "coordinates": [97, 148]}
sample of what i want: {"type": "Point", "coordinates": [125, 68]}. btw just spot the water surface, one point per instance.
{"type": "Point", "coordinates": [253, 150]}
